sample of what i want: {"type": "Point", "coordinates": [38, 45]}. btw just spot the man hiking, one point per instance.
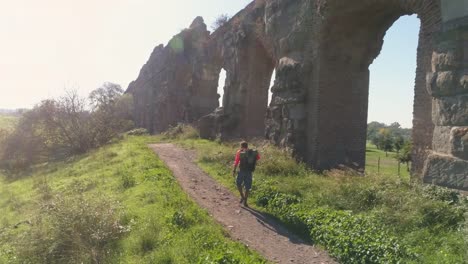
{"type": "Point", "coordinates": [246, 159]}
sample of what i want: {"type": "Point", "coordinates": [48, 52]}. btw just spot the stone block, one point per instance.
{"type": "Point", "coordinates": [446, 61]}
{"type": "Point", "coordinates": [446, 171]}
{"type": "Point", "coordinates": [441, 139]}
{"type": "Point", "coordinates": [450, 111]}
{"type": "Point", "coordinates": [459, 142]}
{"type": "Point", "coordinates": [446, 83]}
{"type": "Point", "coordinates": [451, 141]}
{"type": "Point", "coordinates": [464, 82]}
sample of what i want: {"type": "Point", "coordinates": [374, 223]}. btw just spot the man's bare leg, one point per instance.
{"type": "Point", "coordinates": [246, 196]}
{"type": "Point", "coordinates": [241, 194]}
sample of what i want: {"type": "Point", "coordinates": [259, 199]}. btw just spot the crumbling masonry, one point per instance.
{"type": "Point", "coordinates": [321, 50]}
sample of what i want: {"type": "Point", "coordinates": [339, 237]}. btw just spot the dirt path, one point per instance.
{"type": "Point", "coordinates": [249, 226]}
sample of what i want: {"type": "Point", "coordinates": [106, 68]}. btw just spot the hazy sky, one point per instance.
{"type": "Point", "coordinates": [49, 45]}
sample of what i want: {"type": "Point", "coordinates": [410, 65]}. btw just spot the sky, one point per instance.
{"type": "Point", "coordinates": [392, 75]}
{"type": "Point", "coordinates": [51, 45]}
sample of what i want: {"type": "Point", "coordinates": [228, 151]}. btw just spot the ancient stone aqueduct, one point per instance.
{"type": "Point", "coordinates": [321, 50]}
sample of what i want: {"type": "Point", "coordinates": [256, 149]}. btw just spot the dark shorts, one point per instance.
{"type": "Point", "coordinates": [244, 178]}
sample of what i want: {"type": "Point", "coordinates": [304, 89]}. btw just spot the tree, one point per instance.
{"type": "Point", "coordinates": [399, 142]}
{"type": "Point", "coordinates": [373, 129]}
{"type": "Point", "coordinates": [405, 155]}
{"type": "Point", "coordinates": [58, 128]}
{"type": "Point", "coordinates": [4, 134]}
{"type": "Point", "coordinates": [111, 112]}
{"type": "Point", "coordinates": [384, 140]}
{"type": "Point", "coordinates": [26, 145]}
{"type": "Point", "coordinates": [220, 21]}
{"type": "Point", "coordinates": [395, 129]}
{"type": "Point", "coordinates": [74, 124]}
{"type": "Point", "coordinates": [105, 96]}
{"type": "Point", "coordinates": [395, 126]}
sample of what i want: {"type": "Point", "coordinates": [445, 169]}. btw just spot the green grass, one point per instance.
{"type": "Point", "coordinates": [8, 121]}
{"type": "Point", "coordinates": [164, 225]}
{"type": "Point", "coordinates": [425, 223]}
{"type": "Point", "coordinates": [388, 163]}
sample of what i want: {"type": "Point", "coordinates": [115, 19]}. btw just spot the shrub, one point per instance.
{"type": "Point", "coordinates": [78, 230]}
{"type": "Point", "coordinates": [220, 21]}
{"type": "Point", "coordinates": [356, 197]}
{"type": "Point", "coordinates": [270, 197]}
{"type": "Point", "coordinates": [147, 242]}
{"type": "Point", "coordinates": [218, 157]}
{"type": "Point", "coordinates": [181, 131]}
{"type": "Point", "coordinates": [441, 194]}
{"type": "Point", "coordinates": [128, 181]}
{"type": "Point", "coordinates": [278, 162]}
{"type": "Point", "coordinates": [181, 220]}
{"type": "Point", "coordinates": [350, 238]}
{"type": "Point", "coordinates": [138, 132]}
{"type": "Point", "coordinates": [353, 238]}
{"type": "Point", "coordinates": [440, 215]}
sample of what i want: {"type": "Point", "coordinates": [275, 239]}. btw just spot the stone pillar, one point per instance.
{"type": "Point", "coordinates": [447, 164]}
{"type": "Point", "coordinates": [286, 124]}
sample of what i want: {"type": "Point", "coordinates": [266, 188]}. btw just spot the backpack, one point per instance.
{"type": "Point", "coordinates": [248, 160]}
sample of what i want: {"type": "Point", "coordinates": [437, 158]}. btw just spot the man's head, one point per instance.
{"type": "Point", "coordinates": [244, 145]}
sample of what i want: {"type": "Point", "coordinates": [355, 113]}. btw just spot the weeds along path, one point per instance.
{"type": "Point", "coordinates": [249, 226]}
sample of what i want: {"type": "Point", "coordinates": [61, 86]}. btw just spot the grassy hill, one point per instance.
{"type": "Point", "coordinates": [119, 204]}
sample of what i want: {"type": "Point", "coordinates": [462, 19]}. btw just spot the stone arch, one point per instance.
{"type": "Point", "coordinates": [246, 91]}
{"type": "Point", "coordinates": [244, 52]}
{"type": "Point", "coordinates": [321, 50]}
{"type": "Point", "coordinates": [351, 37]}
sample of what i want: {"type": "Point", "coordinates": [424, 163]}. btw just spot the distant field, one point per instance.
{"type": "Point", "coordinates": [388, 164]}
{"type": "Point", "coordinates": [7, 121]}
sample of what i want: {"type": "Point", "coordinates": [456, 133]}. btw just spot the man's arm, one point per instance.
{"type": "Point", "coordinates": [236, 163]}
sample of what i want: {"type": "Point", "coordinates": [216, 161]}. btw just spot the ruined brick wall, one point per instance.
{"type": "Point", "coordinates": [174, 85]}
{"type": "Point", "coordinates": [321, 50]}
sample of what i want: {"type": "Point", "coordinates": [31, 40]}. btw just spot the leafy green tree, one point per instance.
{"type": "Point", "coordinates": [106, 96]}
{"type": "Point", "coordinates": [111, 112]}
{"type": "Point", "coordinates": [384, 140]}
{"type": "Point", "coordinates": [395, 129]}
{"type": "Point", "coordinates": [398, 143]}
{"type": "Point", "coordinates": [405, 155]}
{"type": "Point", "coordinates": [373, 130]}
{"type": "Point", "coordinates": [394, 126]}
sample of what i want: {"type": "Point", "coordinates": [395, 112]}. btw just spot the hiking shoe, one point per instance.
{"type": "Point", "coordinates": [241, 200]}
{"type": "Point", "coordinates": [245, 204]}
